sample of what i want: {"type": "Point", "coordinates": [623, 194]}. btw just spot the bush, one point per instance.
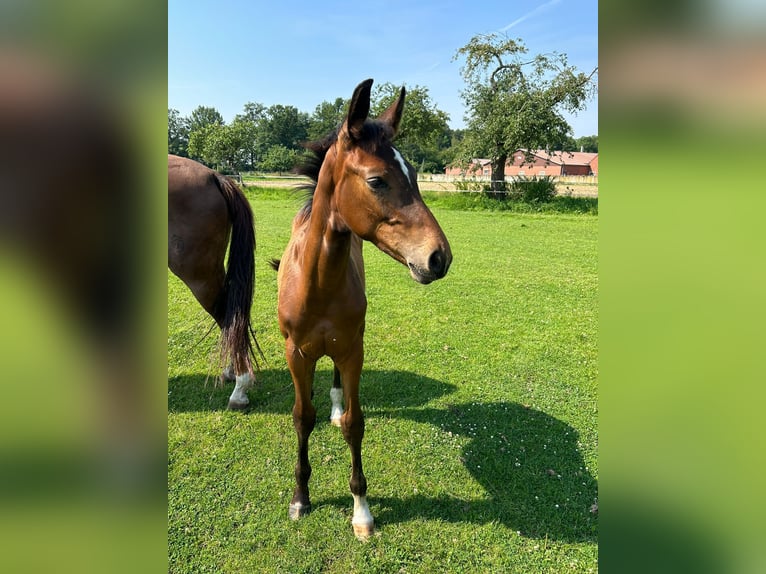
{"type": "Point", "coordinates": [533, 189]}
{"type": "Point", "coordinates": [469, 185]}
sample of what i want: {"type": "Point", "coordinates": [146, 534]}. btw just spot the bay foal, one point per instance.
{"type": "Point", "coordinates": [363, 190]}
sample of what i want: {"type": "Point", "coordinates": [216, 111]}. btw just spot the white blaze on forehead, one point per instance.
{"type": "Point", "coordinates": [398, 157]}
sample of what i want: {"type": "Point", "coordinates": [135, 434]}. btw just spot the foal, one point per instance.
{"type": "Point", "coordinates": [364, 190]}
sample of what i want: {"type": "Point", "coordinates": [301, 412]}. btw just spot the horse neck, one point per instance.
{"type": "Point", "coordinates": [327, 247]}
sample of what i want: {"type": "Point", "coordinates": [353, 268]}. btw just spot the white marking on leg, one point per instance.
{"type": "Point", "coordinates": [362, 521]}
{"type": "Point", "coordinates": [398, 157]}
{"type": "Point", "coordinates": [336, 397]}
{"type": "Point", "coordinates": [238, 398]}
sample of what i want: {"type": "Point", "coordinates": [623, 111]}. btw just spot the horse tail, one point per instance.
{"type": "Point", "coordinates": [274, 263]}
{"type": "Point", "coordinates": [238, 342]}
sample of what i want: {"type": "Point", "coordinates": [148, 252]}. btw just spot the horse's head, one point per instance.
{"type": "Point", "coordinates": [376, 191]}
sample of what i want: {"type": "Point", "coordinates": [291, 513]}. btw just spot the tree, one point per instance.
{"type": "Point", "coordinates": [245, 135]}
{"type": "Point", "coordinates": [178, 133]}
{"type": "Point", "coordinates": [327, 117]}
{"type": "Point", "coordinates": [423, 134]}
{"type": "Point", "coordinates": [249, 123]}
{"type": "Point", "coordinates": [567, 144]}
{"type": "Point", "coordinates": [516, 102]}
{"type": "Point", "coordinates": [203, 116]}
{"type": "Point", "coordinates": [278, 158]}
{"type": "Point", "coordinates": [253, 112]}
{"type": "Point", "coordinates": [283, 125]}
{"type": "Point", "coordinates": [220, 146]}
{"type": "Point", "coordinates": [587, 143]}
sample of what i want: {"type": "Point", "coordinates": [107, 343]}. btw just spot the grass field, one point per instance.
{"type": "Point", "coordinates": [480, 399]}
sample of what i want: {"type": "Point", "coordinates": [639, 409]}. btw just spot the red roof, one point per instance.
{"type": "Point", "coordinates": [564, 157]}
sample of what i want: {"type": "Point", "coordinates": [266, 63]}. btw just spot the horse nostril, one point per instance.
{"type": "Point", "coordinates": [437, 263]}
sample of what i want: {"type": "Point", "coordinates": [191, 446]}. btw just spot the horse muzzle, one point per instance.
{"type": "Point", "coordinates": [436, 267]}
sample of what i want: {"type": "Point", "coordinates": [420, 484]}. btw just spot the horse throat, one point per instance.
{"type": "Point", "coordinates": [327, 248]}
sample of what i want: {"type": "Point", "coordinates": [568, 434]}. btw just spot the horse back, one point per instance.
{"type": "Point", "coordinates": [198, 218]}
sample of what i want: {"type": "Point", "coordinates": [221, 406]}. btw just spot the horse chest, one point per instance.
{"type": "Point", "coordinates": [319, 328]}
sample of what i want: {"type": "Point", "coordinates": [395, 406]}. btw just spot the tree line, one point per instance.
{"type": "Point", "coordinates": [512, 103]}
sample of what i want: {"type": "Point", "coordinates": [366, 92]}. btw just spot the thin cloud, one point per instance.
{"type": "Point", "coordinates": [528, 15]}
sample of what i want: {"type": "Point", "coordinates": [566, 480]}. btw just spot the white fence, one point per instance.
{"type": "Point", "coordinates": [563, 179]}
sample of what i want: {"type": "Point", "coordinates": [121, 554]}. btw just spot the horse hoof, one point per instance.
{"type": "Point", "coordinates": [238, 406]}
{"type": "Point", "coordinates": [363, 531]}
{"type": "Point", "coordinates": [298, 510]}
{"type": "Point", "coordinates": [335, 421]}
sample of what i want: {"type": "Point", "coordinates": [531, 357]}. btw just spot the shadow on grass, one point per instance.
{"type": "Point", "coordinates": [273, 392]}
{"type": "Point", "coordinates": [527, 462]}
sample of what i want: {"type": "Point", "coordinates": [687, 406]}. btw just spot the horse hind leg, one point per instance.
{"type": "Point", "coordinates": [207, 292]}
{"type": "Point", "coordinates": [336, 398]}
{"type": "Point", "coordinates": [238, 400]}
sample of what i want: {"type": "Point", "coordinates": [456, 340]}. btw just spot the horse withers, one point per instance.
{"type": "Point", "coordinates": [363, 190]}
{"type": "Point", "coordinates": [207, 213]}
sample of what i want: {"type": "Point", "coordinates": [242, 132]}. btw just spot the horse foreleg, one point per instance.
{"type": "Point", "coordinates": [336, 397]}
{"type": "Point", "coordinates": [304, 419]}
{"type": "Point", "coordinates": [352, 424]}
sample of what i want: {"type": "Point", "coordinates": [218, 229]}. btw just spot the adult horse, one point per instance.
{"type": "Point", "coordinates": [363, 190]}
{"type": "Point", "coordinates": [205, 210]}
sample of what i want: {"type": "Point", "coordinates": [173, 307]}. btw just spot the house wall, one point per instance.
{"type": "Point", "coordinates": [575, 170]}
{"type": "Point", "coordinates": [518, 165]}
{"type": "Point", "coordinates": [539, 166]}
{"type": "Point", "coordinates": [473, 171]}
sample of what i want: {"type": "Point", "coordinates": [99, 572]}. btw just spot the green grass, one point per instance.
{"type": "Point", "coordinates": [478, 201]}
{"type": "Point", "coordinates": [481, 415]}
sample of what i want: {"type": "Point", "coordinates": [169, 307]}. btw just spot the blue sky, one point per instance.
{"type": "Point", "coordinates": [226, 53]}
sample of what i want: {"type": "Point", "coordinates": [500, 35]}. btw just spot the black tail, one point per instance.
{"type": "Point", "coordinates": [238, 342]}
{"type": "Point", "coordinates": [274, 263]}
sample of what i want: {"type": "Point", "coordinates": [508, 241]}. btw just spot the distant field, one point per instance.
{"type": "Point", "coordinates": [427, 183]}
{"type": "Point", "coordinates": [480, 396]}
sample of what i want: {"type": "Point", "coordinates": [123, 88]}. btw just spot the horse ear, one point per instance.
{"type": "Point", "coordinates": [359, 109]}
{"type": "Point", "coordinates": [393, 115]}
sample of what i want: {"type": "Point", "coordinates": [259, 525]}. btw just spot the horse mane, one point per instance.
{"type": "Point", "coordinates": [373, 134]}
{"type": "Point", "coordinates": [309, 166]}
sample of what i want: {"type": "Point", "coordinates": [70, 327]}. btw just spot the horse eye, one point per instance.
{"type": "Point", "coordinates": [377, 184]}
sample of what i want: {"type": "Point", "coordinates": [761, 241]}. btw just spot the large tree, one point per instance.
{"type": "Point", "coordinates": [516, 102]}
